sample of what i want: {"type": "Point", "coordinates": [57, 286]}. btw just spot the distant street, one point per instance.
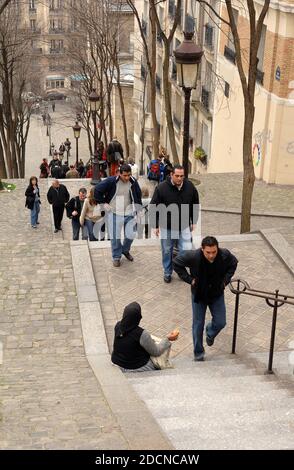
{"type": "Point", "coordinates": [38, 142]}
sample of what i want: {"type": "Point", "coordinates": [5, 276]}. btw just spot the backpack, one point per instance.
{"type": "Point", "coordinates": [154, 170]}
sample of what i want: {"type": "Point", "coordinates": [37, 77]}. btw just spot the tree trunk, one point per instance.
{"type": "Point", "coordinates": [152, 71]}
{"type": "Point", "coordinates": [167, 103]}
{"type": "Point", "coordinates": [123, 114]}
{"type": "Point", "coordinates": [248, 169]}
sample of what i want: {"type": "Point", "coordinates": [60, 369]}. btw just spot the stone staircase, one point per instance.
{"type": "Point", "coordinates": [222, 403]}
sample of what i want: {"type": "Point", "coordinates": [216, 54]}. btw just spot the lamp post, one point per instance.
{"type": "Point", "coordinates": [77, 133]}
{"type": "Point", "coordinates": [188, 57]}
{"type": "Point", "coordinates": [94, 101]}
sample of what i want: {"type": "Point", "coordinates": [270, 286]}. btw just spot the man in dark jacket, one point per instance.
{"type": "Point", "coordinates": [57, 196]}
{"type": "Point", "coordinates": [120, 197]}
{"type": "Point", "coordinates": [73, 211]}
{"type": "Point", "coordinates": [211, 269]}
{"type": "Point", "coordinates": [173, 212]}
{"type": "Point", "coordinates": [114, 153]}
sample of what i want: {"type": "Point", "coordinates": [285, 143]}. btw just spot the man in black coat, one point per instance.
{"type": "Point", "coordinates": [57, 196]}
{"type": "Point", "coordinates": [173, 213]}
{"type": "Point", "coordinates": [211, 269]}
{"type": "Point", "coordinates": [74, 210]}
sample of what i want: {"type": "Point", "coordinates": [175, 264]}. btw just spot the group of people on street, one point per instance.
{"type": "Point", "coordinates": [172, 213]}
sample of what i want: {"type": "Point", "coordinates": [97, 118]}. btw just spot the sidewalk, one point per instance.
{"type": "Point", "coordinates": [50, 396]}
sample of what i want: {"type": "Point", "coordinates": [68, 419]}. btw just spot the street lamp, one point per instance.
{"type": "Point", "coordinates": [77, 133]}
{"type": "Point", "coordinates": [188, 57]}
{"type": "Point", "coordinates": [94, 101]}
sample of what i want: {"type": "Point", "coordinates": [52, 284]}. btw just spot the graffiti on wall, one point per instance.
{"type": "Point", "coordinates": [260, 138]}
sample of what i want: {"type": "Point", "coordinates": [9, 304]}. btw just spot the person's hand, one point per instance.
{"type": "Point", "coordinates": [107, 207]}
{"type": "Point", "coordinates": [173, 335]}
{"type": "Point", "coordinates": [156, 232]}
{"type": "Point", "coordinates": [74, 213]}
{"type": "Point", "coordinates": [192, 227]}
{"type": "Point", "coordinates": [193, 283]}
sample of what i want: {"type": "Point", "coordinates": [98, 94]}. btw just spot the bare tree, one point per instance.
{"type": "Point", "coordinates": [149, 48]}
{"type": "Point", "coordinates": [14, 111]}
{"type": "Point", "coordinates": [3, 5]}
{"type": "Point", "coordinates": [247, 73]}
{"type": "Point", "coordinates": [167, 40]}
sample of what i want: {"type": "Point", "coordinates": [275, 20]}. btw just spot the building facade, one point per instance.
{"type": "Point", "coordinates": [216, 113]}
{"type": "Point", "coordinates": [52, 24]}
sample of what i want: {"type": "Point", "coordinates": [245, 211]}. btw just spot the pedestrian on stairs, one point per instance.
{"type": "Point", "coordinates": [211, 269]}
{"type": "Point", "coordinates": [57, 196]}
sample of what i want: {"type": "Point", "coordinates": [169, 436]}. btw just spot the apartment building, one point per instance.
{"type": "Point", "coordinates": [216, 112]}
{"type": "Point", "coordinates": [52, 25]}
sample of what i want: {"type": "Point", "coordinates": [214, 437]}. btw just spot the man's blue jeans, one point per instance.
{"type": "Point", "coordinates": [168, 239]}
{"type": "Point", "coordinates": [35, 213]}
{"type": "Point", "coordinates": [218, 322]}
{"type": "Point", "coordinates": [115, 225]}
{"type": "Point", "coordinates": [76, 230]}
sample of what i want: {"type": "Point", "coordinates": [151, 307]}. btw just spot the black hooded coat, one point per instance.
{"type": "Point", "coordinates": [127, 351]}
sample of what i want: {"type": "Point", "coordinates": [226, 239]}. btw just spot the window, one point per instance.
{"type": "Point", "coordinates": [51, 5]}
{"type": "Point", "coordinates": [32, 5]}
{"type": "Point", "coordinates": [230, 35]}
{"type": "Point", "coordinates": [208, 35]}
{"type": "Point", "coordinates": [189, 24]}
{"type": "Point", "coordinates": [227, 89]}
{"type": "Point", "coordinates": [260, 52]}
{"type": "Point", "coordinates": [33, 25]}
{"type": "Point", "coordinates": [204, 138]}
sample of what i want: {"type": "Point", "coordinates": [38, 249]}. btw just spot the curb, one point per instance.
{"type": "Point", "coordinates": [280, 246]}
{"type": "Point", "coordinates": [137, 424]}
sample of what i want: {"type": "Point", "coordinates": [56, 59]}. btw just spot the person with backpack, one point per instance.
{"type": "Point", "coordinates": [114, 153]}
{"type": "Point", "coordinates": [155, 170]}
{"type": "Point", "coordinates": [173, 214]}
{"type": "Point", "coordinates": [44, 169]}
{"type": "Point", "coordinates": [55, 166]}
{"type": "Point", "coordinates": [73, 211]}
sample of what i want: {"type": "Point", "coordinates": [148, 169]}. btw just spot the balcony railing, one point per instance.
{"type": "Point", "coordinates": [259, 76]}
{"type": "Point", "coordinates": [230, 54]}
{"type": "Point", "coordinates": [158, 82]}
{"type": "Point", "coordinates": [60, 50]}
{"type": "Point", "coordinates": [205, 95]}
{"type": "Point", "coordinates": [56, 30]}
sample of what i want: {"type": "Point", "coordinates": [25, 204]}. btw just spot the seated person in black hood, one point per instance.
{"type": "Point", "coordinates": [133, 345]}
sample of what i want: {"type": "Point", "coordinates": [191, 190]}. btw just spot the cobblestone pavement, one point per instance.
{"type": "Point", "coordinates": [50, 399]}
{"type": "Point", "coordinates": [225, 191]}
{"type": "Point", "coordinates": [167, 306]}
{"type": "Point", "coordinates": [38, 142]}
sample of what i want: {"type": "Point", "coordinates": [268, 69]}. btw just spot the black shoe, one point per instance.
{"type": "Point", "coordinates": [38, 223]}
{"type": "Point", "coordinates": [59, 228]}
{"type": "Point", "coordinates": [199, 357]}
{"type": "Point", "coordinates": [56, 230]}
{"type": "Point", "coordinates": [167, 279]}
{"type": "Point", "coordinates": [209, 341]}
{"type": "Point", "coordinates": [128, 256]}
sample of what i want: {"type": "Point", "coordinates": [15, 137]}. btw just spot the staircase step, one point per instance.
{"type": "Point", "coordinates": [277, 400]}
{"type": "Point", "coordinates": [263, 435]}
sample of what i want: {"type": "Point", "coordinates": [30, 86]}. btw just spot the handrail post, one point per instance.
{"type": "Point", "coordinates": [273, 334]}
{"type": "Point", "coordinates": [236, 319]}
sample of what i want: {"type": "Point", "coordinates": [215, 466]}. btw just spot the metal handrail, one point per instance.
{"type": "Point", "coordinates": [274, 300]}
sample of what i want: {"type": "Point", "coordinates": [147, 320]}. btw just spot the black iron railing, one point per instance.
{"type": "Point", "coordinates": [273, 299]}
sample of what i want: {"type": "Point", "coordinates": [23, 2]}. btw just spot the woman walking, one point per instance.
{"type": "Point", "coordinates": [90, 215]}
{"type": "Point", "coordinates": [33, 200]}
